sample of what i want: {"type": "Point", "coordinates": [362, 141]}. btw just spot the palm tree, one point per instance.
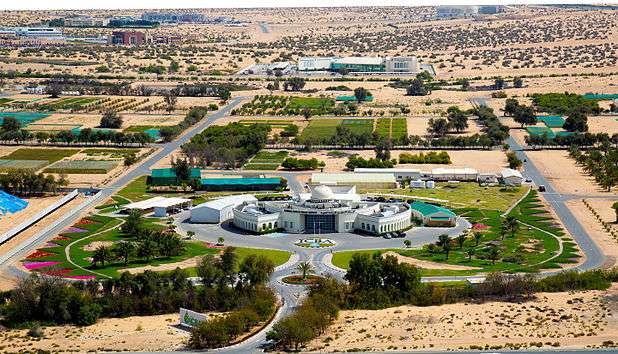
{"type": "Point", "coordinates": [512, 225]}
{"type": "Point", "coordinates": [305, 268]}
{"type": "Point", "coordinates": [407, 243]}
{"type": "Point", "coordinates": [146, 249]}
{"type": "Point", "coordinates": [494, 254]}
{"type": "Point", "coordinates": [461, 238]}
{"type": "Point", "coordinates": [190, 234]}
{"type": "Point", "coordinates": [124, 250]}
{"type": "Point", "coordinates": [470, 252]}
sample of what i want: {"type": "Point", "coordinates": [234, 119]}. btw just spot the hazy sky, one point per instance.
{"type": "Point", "coordinates": [153, 4]}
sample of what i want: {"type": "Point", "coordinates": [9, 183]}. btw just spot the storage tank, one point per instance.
{"type": "Point", "coordinates": [430, 184]}
{"type": "Point", "coordinates": [417, 184]}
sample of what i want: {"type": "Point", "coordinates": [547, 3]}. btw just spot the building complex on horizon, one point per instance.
{"type": "Point", "coordinates": [360, 64]}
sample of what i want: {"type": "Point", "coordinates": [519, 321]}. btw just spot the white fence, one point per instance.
{"type": "Point", "coordinates": [43, 234]}
{"type": "Point", "coordinates": [40, 215]}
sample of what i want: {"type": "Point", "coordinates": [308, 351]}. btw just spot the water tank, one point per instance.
{"type": "Point", "coordinates": [417, 184]}
{"type": "Point", "coordinates": [430, 184]}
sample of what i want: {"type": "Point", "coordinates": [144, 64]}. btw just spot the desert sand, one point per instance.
{"type": "Point", "coordinates": [567, 320]}
{"type": "Point", "coordinates": [594, 228]}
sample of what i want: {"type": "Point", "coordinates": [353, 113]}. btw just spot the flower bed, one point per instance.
{"type": "Point", "coordinates": [86, 222]}
{"type": "Point", "coordinates": [74, 229]}
{"type": "Point", "coordinates": [57, 272]}
{"type": "Point", "coordinates": [39, 254]}
{"type": "Point", "coordinates": [480, 227]}
{"type": "Point", "coordinates": [298, 279]}
{"type": "Point", "coordinates": [61, 238]}
{"type": "Point", "coordinates": [80, 277]}
{"type": "Point", "coordinates": [213, 245]}
{"type": "Point", "coordinates": [51, 244]}
{"type": "Point", "coordinates": [37, 265]}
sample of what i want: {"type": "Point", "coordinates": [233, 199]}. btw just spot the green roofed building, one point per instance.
{"type": "Point", "coordinates": [552, 121]}
{"type": "Point", "coordinates": [241, 184]}
{"type": "Point", "coordinates": [352, 98]}
{"type": "Point", "coordinates": [167, 176]}
{"type": "Point", "coordinates": [433, 215]}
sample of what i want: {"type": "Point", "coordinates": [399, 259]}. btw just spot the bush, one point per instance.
{"type": "Point", "coordinates": [292, 163]}
{"type": "Point", "coordinates": [355, 161]}
{"type": "Point", "coordinates": [422, 158]}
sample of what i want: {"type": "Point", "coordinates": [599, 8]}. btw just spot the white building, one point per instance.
{"type": "Point", "coordinates": [323, 211]}
{"type": "Point", "coordinates": [454, 174]}
{"type": "Point", "coordinates": [454, 11]}
{"type": "Point", "coordinates": [218, 210]}
{"type": "Point", "coordinates": [85, 21]}
{"type": "Point", "coordinates": [315, 63]}
{"type": "Point", "coordinates": [361, 180]}
{"type": "Point", "coordinates": [511, 177]}
{"type": "Point", "coordinates": [161, 206]}
{"type": "Point", "coordinates": [400, 174]}
{"type": "Point", "coordinates": [402, 65]}
{"type": "Point", "coordinates": [38, 32]}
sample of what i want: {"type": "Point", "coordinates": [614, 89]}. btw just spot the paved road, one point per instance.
{"type": "Point", "coordinates": [594, 257]}
{"type": "Point", "coordinates": [141, 169]}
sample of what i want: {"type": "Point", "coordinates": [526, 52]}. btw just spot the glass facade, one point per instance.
{"type": "Point", "coordinates": [320, 224]}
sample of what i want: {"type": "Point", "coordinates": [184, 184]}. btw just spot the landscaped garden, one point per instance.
{"type": "Point", "coordinates": [286, 105]}
{"type": "Point", "coordinates": [323, 130]}
{"type": "Point", "coordinates": [266, 160]}
{"type": "Point", "coordinates": [528, 239]}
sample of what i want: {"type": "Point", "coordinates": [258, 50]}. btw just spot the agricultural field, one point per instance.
{"type": "Point", "coordinates": [266, 160]}
{"type": "Point", "coordinates": [82, 167]}
{"type": "Point", "coordinates": [325, 129]}
{"type": "Point", "coordinates": [51, 154]}
{"type": "Point", "coordinates": [286, 105]}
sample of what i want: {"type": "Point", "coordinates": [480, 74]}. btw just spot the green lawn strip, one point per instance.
{"type": "Point", "coordinates": [321, 128]}
{"type": "Point", "coordinates": [464, 194]}
{"type": "Point", "coordinates": [311, 102]}
{"type": "Point", "coordinates": [383, 127]}
{"type": "Point", "coordinates": [261, 166]}
{"type": "Point", "coordinates": [399, 128]}
{"type": "Point", "coordinates": [269, 157]}
{"type": "Point", "coordinates": [49, 154]}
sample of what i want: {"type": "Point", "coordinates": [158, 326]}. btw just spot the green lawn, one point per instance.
{"type": "Point", "coordinates": [359, 126]}
{"type": "Point", "coordinates": [140, 128]}
{"type": "Point", "coordinates": [383, 127]}
{"type": "Point", "coordinates": [261, 166]}
{"type": "Point", "coordinates": [464, 194]}
{"type": "Point", "coordinates": [49, 154]}
{"type": "Point", "coordinates": [311, 102]}
{"type": "Point", "coordinates": [269, 157]}
{"type": "Point", "coordinates": [321, 129]}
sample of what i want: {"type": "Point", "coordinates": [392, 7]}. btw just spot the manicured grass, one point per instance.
{"type": "Point", "coordinates": [278, 257]}
{"type": "Point", "coordinates": [269, 156]}
{"type": "Point", "coordinates": [4, 100]}
{"type": "Point", "coordinates": [383, 127]}
{"type": "Point", "coordinates": [321, 129]}
{"type": "Point", "coordinates": [311, 102]}
{"type": "Point", "coordinates": [49, 154]}
{"type": "Point", "coordinates": [464, 194]}
{"type": "Point", "coordinates": [135, 190]}
{"type": "Point", "coordinates": [261, 166]}
{"type": "Point", "coordinates": [399, 128]}
{"type": "Point", "coordinates": [359, 126]}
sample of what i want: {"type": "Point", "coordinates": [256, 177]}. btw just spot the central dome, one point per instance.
{"type": "Point", "coordinates": [322, 192]}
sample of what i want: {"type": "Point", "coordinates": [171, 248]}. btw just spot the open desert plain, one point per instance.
{"type": "Point", "coordinates": [242, 179]}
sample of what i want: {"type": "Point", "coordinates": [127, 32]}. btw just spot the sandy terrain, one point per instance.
{"type": "Point", "coordinates": [35, 205]}
{"type": "Point", "coordinates": [603, 124]}
{"type": "Point", "coordinates": [566, 177]}
{"type": "Point", "coordinates": [593, 227]}
{"type": "Point", "coordinates": [483, 161]}
{"type": "Point", "coordinates": [149, 333]}
{"type": "Point", "coordinates": [568, 320]}
{"type": "Point", "coordinates": [426, 264]}
{"type": "Point", "coordinates": [129, 119]}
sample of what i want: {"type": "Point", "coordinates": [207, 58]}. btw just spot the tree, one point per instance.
{"type": "Point", "coordinates": [225, 94]}
{"type": "Point", "coordinates": [470, 252]}
{"type": "Point", "coordinates": [417, 88]}
{"type": "Point", "coordinates": [510, 106]}
{"type": "Point", "coordinates": [10, 124]}
{"type": "Point", "coordinates": [133, 223]}
{"type": "Point", "coordinates": [220, 241]}
{"type": "Point", "coordinates": [174, 66]}
{"type": "Point", "coordinates": [511, 224]}
{"type": "Point", "coordinates": [146, 249]}
{"type": "Point", "coordinates": [407, 243]}
{"type": "Point", "coordinates": [437, 127]}
{"type": "Point", "coordinates": [461, 239]}
{"type": "Point", "coordinates": [170, 100]}
{"type": "Point", "coordinates": [615, 207]}
{"type": "Point", "coordinates": [518, 82]}
{"type": "Point", "coordinates": [54, 90]}
{"type": "Point", "coordinates": [100, 255]}
{"type": "Point", "coordinates": [294, 84]}
{"type": "Point", "coordinates": [457, 119]}
{"type": "Point", "coordinates": [124, 250]}
{"type": "Point", "coordinates": [499, 83]}
{"type": "Point", "coordinates": [229, 260]}
{"type": "Point", "coordinates": [494, 254]}
{"type": "Point", "coordinates": [577, 121]}
{"type": "Point", "coordinates": [524, 115]}
{"type": "Point", "coordinates": [477, 237]}
{"type": "Point", "coordinates": [305, 268]}
{"type": "Point", "coordinates": [514, 161]}
{"type": "Point", "coordinates": [465, 85]}
{"type": "Point", "coordinates": [361, 94]}
{"type": "Point", "coordinates": [445, 242]}
{"type": "Point", "coordinates": [208, 268]}
{"type": "Point", "coordinates": [307, 113]}
{"type": "Point", "coordinates": [257, 269]}
{"type": "Point", "coordinates": [182, 169]}
{"type": "Point", "coordinates": [110, 119]}
{"type": "Point", "coordinates": [383, 149]}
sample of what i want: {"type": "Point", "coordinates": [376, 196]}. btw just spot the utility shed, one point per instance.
{"type": "Point", "coordinates": [240, 184]}
{"type": "Point", "coordinates": [433, 215]}
{"type": "Point", "coordinates": [218, 210]}
{"type": "Point", "coordinates": [167, 176]}
{"type": "Point", "coordinates": [511, 177]}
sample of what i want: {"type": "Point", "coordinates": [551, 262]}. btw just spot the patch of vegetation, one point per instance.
{"type": "Point", "coordinates": [564, 103]}
{"type": "Point", "coordinates": [49, 154]}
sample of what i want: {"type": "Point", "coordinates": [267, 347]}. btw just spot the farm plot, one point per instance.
{"type": "Point", "coordinates": [394, 128]}
{"type": "Point", "coordinates": [24, 118]}
{"type": "Point", "coordinates": [111, 153]}
{"type": "Point", "coordinates": [9, 165]}
{"type": "Point", "coordinates": [82, 167]}
{"type": "Point", "coordinates": [323, 130]}
{"type": "Point", "coordinates": [72, 103]}
{"type": "Point", "coordinates": [358, 126]}
{"type": "Point", "coordinates": [266, 161]}
{"type": "Point", "coordinates": [48, 154]}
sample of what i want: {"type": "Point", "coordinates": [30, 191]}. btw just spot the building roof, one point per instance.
{"type": "Point", "coordinates": [508, 172]}
{"type": "Point", "coordinates": [239, 181]}
{"type": "Point", "coordinates": [352, 177]}
{"type": "Point", "coordinates": [453, 171]}
{"type": "Point", "coordinates": [386, 170]}
{"type": "Point", "coordinates": [322, 192]}
{"type": "Point", "coordinates": [224, 202]}
{"type": "Point", "coordinates": [360, 60]}
{"type": "Point", "coordinates": [430, 209]}
{"type": "Point", "coordinates": [171, 173]}
{"type": "Point", "coordinates": [160, 202]}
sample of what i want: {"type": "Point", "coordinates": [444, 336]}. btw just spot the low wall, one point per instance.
{"type": "Point", "coordinates": [40, 215]}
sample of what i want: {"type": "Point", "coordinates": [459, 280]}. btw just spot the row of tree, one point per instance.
{"type": "Point", "coordinates": [26, 182]}
{"type": "Point", "coordinates": [600, 162]}
{"type": "Point", "coordinates": [292, 163]}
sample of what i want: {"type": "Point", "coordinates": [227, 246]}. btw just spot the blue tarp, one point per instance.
{"type": "Point", "coordinates": [10, 203]}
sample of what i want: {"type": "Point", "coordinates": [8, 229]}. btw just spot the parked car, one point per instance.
{"type": "Point", "coordinates": [387, 236]}
{"type": "Point", "coordinates": [541, 188]}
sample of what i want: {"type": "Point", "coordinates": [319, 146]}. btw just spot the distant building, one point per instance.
{"type": "Point", "coordinates": [453, 11]}
{"type": "Point", "coordinates": [172, 17]}
{"type": "Point", "coordinates": [38, 32]}
{"type": "Point", "coordinates": [360, 64]}
{"type": "Point", "coordinates": [160, 206]}
{"type": "Point", "coordinates": [401, 174]}
{"type": "Point", "coordinates": [491, 9]}
{"type": "Point", "coordinates": [127, 38]}
{"type": "Point", "coordinates": [360, 180]}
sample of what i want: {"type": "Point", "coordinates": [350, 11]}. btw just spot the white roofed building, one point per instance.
{"type": "Point", "coordinates": [360, 180]}
{"type": "Point", "coordinates": [218, 210]}
{"type": "Point", "coordinates": [399, 173]}
{"type": "Point", "coordinates": [511, 177]}
{"type": "Point", "coordinates": [454, 174]}
{"type": "Point", "coordinates": [161, 206]}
